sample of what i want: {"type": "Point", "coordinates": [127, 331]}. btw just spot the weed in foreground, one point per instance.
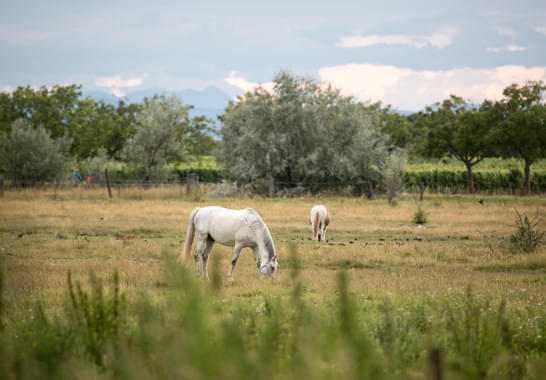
{"type": "Point", "coordinates": [197, 331]}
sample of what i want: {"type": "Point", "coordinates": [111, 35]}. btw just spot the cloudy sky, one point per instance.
{"type": "Point", "coordinates": [404, 53]}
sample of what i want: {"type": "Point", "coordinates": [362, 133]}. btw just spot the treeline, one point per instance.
{"type": "Point", "coordinates": [50, 132]}
{"type": "Point", "coordinates": [301, 132]}
{"type": "Point", "coordinates": [515, 126]}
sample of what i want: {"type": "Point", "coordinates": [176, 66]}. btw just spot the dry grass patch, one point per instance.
{"type": "Point", "coordinates": [463, 243]}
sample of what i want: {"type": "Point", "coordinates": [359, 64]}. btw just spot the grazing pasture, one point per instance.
{"type": "Point", "coordinates": [382, 297]}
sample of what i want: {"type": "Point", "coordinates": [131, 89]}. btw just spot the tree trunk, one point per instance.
{"type": "Point", "coordinates": [470, 177]}
{"type": "Point", "coordinates": [527, 171]}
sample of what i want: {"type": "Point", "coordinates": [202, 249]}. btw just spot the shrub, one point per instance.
{"type": "Point", "coordinates": [420, 216]}
{"type": "Point", "coordinates": [227, 189]}
{"type": "Point", "coordinates": [526, 237]}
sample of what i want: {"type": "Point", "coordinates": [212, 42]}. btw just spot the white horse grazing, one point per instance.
{"type": "Point", "coordinates": [319, 222]}
{"type": "Point", "coordinates": [234, 228]}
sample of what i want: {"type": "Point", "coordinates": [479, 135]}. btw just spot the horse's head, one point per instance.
{"type": "Point", "coordinates": [269, 268]}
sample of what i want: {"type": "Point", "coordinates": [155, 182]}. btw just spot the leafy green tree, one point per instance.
{"type": "Point", "coordinates": [164, 133]}
{"type": "Point", "coordinates": [401, 130]}
{"type": "Point", "coordinates": [54, 108]}
{"type": "Point", "coordinates": [30, 155]}
{"type": "Point", "coordinates": [301, 132]}
{"type": "Point", "coordinates": [455, 129]}
{"type": "Point", "coordinates": [106, 127]}
{"type": "Point", "coordinates": [62, 112]}
{"type": "Point", "coordinates": [522, 129]}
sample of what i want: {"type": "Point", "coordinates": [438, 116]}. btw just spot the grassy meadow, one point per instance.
{"type": "Point", "coordinates": [91, 289]}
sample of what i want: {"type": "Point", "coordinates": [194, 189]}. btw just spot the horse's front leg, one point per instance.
{"type": "Point", "coordinates": [256, 258]}
{"type": "Point", "coordinates": [236, 251]}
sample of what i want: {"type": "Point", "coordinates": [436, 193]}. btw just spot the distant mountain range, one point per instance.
{"type": "Point", "coordinates": [210, 102]}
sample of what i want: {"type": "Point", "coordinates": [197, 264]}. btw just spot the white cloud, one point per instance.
{"type": "Point", "coordinates": [235, 79]}
{"type": "Point", "coordinates": [510, 48]}
{"type": "Point", "coordinates": [541, 29]}
{"type": "Point", "coordinates": [440, 39]}
{"type": "Point", "coordinates": [116, 84]}
{"type": "Point", "coordinates": [411, 90]}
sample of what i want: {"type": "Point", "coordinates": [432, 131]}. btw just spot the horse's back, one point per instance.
{"type": "Point", "coordinates": [226, 225]}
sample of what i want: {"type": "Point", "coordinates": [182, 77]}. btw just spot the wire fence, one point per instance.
{"type": "Point", "coordinates": [191, 186]}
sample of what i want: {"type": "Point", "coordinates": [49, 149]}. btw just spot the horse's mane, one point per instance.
{"type": "Point", "coordinates": [268, 240]}
{"type": "Point", "coordinates": [269, 245]}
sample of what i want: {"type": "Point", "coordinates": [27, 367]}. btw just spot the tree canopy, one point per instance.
{"type": "Point", "coordinates": [522, 127]}
{"type": "Point", "coordinates": [163, 134]}
{"type": "Point", "coordinates": [300, 132]}
{"type": "Point", "coordinates": [30, 155]}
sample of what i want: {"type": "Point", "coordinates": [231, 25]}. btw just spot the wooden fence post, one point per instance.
{"type": "Point", "coordinates": [108, 182]}
{"type": "Point", "coordinates": [189, 183]}
{"type": "Point", "coordinates": [1, 186]}
{"type": "Point", "coordinates": [421, 190]}
{"type": "Point", "coordinates": [192, 180]}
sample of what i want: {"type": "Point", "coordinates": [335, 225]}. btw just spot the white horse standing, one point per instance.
{"type": "Point", "coordinates": [234, 228]}
{"type": "Point", "coordinates": [319, 222]}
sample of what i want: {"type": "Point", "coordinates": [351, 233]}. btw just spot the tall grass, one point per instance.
{"type": "Point", "coordinates": [199, 333]}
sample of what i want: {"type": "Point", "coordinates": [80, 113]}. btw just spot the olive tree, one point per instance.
{"type": "Point", "coordinates": [163, 134]}
{"type": "Point", "coordinates": [29, 155]}
{"type": "Point", "coordinates": [301, 132]}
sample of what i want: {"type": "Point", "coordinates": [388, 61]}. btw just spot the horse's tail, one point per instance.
{"type": "Point", "coordinates": [189, 235]}
{"type": "Point", "coordinates": [316, 225]}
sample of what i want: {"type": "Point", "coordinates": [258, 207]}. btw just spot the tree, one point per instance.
{"type": "Point", "coordinates": [163, 134]}
{"type": "Point", "coordinates": [301, 132]}
{"type": "Point", "coordinates": [400, 129]}
{"type": "Point", "coordinates": [62, 112]}
{"type": "Point", "coordinates": [29, 155]}
{"type": "Point", "coordinates": [54, 108]}
{"type": "Point", "coordinates": [455, 129]}
{"type": "Point", "coordinates": [522, 129]}
{"type": "Point", "coordinates": [105, 127]}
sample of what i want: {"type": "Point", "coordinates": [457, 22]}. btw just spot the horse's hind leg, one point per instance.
{"type": "Point", "coordinates": [322, 231]}
{"type": "Point", "coordinates": [206, 253]}
{"type": "Point", "coordinates": [234, 258]}
{"type": "Point", "coordinates": [198, 250]}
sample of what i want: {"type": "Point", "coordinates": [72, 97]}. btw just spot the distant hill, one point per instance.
{"type": "Point", "coordinates": [209, 102]}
